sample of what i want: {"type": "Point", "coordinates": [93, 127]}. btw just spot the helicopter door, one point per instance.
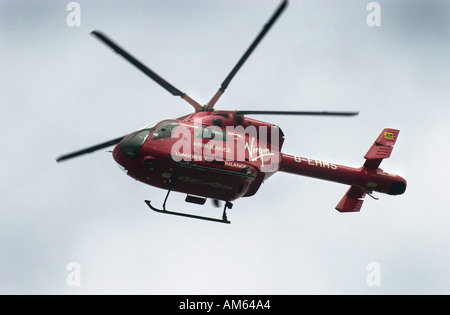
{"type": "Point", "coordinates": [211, 143]}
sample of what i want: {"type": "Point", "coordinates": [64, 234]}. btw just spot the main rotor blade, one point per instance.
{"type": "Point", "coordinates": [153, 75]}
{"type": "Point", "coordinates": [241, 61]}
{"type": "Point", "coordinates": [298, 113]}
{"type": "Point", "coordinates": [89, 149]}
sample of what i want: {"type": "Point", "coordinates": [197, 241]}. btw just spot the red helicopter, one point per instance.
{"type": "Point", "coordinates": [225, 155]}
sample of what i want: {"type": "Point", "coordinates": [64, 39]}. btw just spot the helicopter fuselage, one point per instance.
{"type": "Point", "coordinates": [220, 155]}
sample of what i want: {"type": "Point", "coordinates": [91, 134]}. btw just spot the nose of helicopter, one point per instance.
{"type": "Point", "coordinates": [132, 144]}
{"type": "Point", "coordinates": [128, 149]}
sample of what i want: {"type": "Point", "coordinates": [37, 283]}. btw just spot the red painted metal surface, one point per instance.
{"type": "Point", "coordinates": [225, 156]}
{"type": "Point", "coordinates": [364, 177]}
{"type": "Point", "coordinates": [201, 156]}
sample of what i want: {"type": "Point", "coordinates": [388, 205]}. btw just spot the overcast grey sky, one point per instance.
{"type": "Point", "coordinates": [62, 90]}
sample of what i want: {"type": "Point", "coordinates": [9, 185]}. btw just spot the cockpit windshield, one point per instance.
{"type": "Point", "coordinates": [132, 144]}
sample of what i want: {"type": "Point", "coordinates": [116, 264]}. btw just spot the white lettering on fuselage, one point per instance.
{"type": "Point", "coordinates": [235, 165]}
{"type": "Point", "coordinates": [317, 163]}
{"type": "Point", "coordinates": [211, 146]}
{"type": "Point", "coordinates": [261, 153]}
{"type": "Point", "coordinates": [189, 157]}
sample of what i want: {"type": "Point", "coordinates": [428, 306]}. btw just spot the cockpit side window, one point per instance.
{"type": "Point", "coordinates": [164, 130]}
{"type": "Point", "coordinates": [211, 133]}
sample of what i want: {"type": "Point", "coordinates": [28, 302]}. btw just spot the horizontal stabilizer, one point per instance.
{"type": "Point", "coordinates": [382, 148]}
{"type": "Point", "coordinates": [352, 200]}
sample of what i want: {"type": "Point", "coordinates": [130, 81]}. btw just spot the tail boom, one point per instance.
{"type": "Point", "coordinates": [368, 179]}
{"type": "Point", "coordinates": [321, 170]}
{"type": "Point", "coordinates": [363, 180]}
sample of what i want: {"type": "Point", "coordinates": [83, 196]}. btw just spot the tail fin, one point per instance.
{"type": "Point", "coordinates": [382, 148]}
{"type": "Point", "coordinates": [374, 179]}
{"type": "Point", "coordinates": [352, 200]}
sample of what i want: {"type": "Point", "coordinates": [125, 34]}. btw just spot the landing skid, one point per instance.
{"type": "Point", "coordinates": [173, 179]}
{"type": "Point", "coordinates": [223, 220]}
